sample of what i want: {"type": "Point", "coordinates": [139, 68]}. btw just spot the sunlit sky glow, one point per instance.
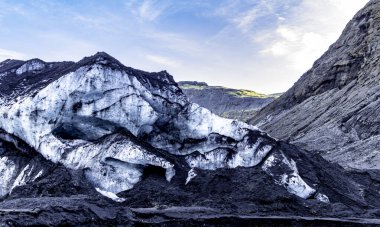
{"type": "Point", "coordinates": [262, 45]}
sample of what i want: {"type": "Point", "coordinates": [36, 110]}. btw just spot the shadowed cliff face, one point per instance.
{"type": "Point", "coordinates": [334, 107]}
{"type": "Point", "coordinates": [72, 132]}
{"type": "Point", "coordinates": [226, 102]}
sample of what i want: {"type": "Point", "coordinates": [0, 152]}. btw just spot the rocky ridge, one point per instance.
{"type": "Point", "coordinates": [226, 102]}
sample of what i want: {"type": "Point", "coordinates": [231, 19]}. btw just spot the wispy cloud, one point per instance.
{"type": "Point", "coordinates": [300, 39]}
{"type": "Point", "coordinates": [106, 22]}
{"type": "Point", "coordinates": [9, 8]}
{"type": "Point", "coordinates": [91, 21]}
{"type": "Point", "coordinates": [263, 45]}
{"type": "Point", "coordinates": [150, 10]}
{"type": "Point", "coordinates": [247, 15]}
{"type": "Point", "coordinates": [244, 21]}
{"type": "Point", "coordinates": [281, 38]}
{"type": "Point", "coordinates": [175, 42]}
{"type": "Point", "coordinates": [163, 60]}
{"type": "Point", "coordinates": [10, 54]}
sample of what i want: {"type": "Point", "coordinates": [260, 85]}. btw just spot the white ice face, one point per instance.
{"type": "Point", "coordinates": [112, 96]}
{"type": "Point", "coordinates": [116, 164]}
{"type": "Point", "coordinates": [246, 155]}
{"type": "Point", "coordinates": [199, 122]}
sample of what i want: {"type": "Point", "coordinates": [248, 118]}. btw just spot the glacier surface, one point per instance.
{"type": "Point", "coordinates": [114, 123]}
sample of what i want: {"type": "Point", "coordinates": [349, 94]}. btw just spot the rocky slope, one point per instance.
{"type": "Point", "coordinates": [226, 102]}
{"type": "Point", "coordinates": [72, 132]}
{"type": "Point", "coordinates": [334, 107]}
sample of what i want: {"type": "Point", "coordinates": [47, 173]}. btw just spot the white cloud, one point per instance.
{"type": "Point", "coordinates": [150, 10]}
{"type": "Point", "coordinates": [106, 22]}
{"type": "Point", "coordinates": [9, 54]}
{"type": "Point", "coordinates": [174, 42]}
{"type": "Point", "coordinates": [163, 60]}
{"type": "Point", "coordinates": [245, 21]}
{"type": "Point", "coordinates": [307, 33]}
{"type": "Point", "coordinates": [286, 38]}
{"type": "Point", "coordinates": [298, 47]}
{"type": "Point", "coordinates": [92, 21]}
{"type": "Point", "coordinates": [264, 45]}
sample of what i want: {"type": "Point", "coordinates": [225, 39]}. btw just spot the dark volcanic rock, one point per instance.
{"type": "Point", "coordinates": [334, 107]}
{"type": "Point", "coordinates": [240, 195]}
{"type": "Point", "coordinates": [226, 102]}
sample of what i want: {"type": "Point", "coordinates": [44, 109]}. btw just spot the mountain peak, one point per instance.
{"type": "Point", "coordinates": [102, 54]}
{"type": "Point", "coordinates": [36, 60]}
{"type": "Point", "coordinates": [101, 58]}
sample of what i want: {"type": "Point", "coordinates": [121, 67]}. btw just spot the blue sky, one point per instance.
{"type": "Point", "coordinates": [262, 45]}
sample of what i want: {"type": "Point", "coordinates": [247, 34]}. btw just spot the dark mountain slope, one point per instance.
{"type": "Point", "coordinates": [226, 102]}
{"type": "Point", "coordinates": [334, 107]}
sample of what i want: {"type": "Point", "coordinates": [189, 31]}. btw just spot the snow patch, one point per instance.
{"type": "Point", "coordinates": [170, 173]}
{"type": "Point", "coordinates": [269, 162]}
{"type": "Point", "coordinates": [110, 195]}
{"type": "Point", "coordinates": [22, 178]}
{"type": "Point", "coordinates": [33, 65]}
{"type": "Point", "coordinates": [323, 198]}
{"type": "Point", "coordinates": [291, 179]}
{"type": "Point", "coordinates": [38, 175]}
{"type": "Point", "coordinates": [7, 172]}
{"type": "Point", "coordinates": [296, 185]}
{"type": "Point", "coordinates": [190, 175]}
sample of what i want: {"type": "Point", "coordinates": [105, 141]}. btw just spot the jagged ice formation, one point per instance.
{"type": "Point", "coordinates": [114, 121]}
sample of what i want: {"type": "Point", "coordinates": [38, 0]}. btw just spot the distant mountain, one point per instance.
{"type": "Point", "coordinates": [96, 142]}
{"type": "Point", "coordinates": [334, 108]}
{"type": "Point", "coordinates": [226, 102]}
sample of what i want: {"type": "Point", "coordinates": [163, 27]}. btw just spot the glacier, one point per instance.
{"type": "Point", "coordinates": [113, 122]}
